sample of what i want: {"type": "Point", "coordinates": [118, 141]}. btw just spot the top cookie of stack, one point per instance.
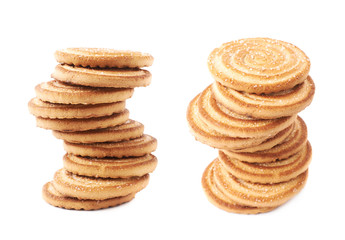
{"type": "Point", "coordinates": [261, 77]}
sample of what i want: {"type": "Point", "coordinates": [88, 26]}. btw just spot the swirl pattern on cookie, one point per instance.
{"type": "Point", "coordinates": [128, 130]}
{"type": "Point", "coordinates": [110, 167]}
{"type": "Point", "coordinates": [273, 172]}
{"type": "Point", "coordinates": [43, 109]}
{"type": "Point", "coordinates": [82, 124]}
{"type": "Point", "coordinates": [290, 146]}
{"type": "Point", "coordinates": [266, 106]}
{"type": "Point", "coordinates": [83, 187]}
{"type": "Point", "coordinates": [110, 77]}
{"type": "Point", "coordinates": [219, 199]}
{"type": "Point", "coordinates": [130, 148]}
{"type": "Point", "coordinates": [230, 123]}
{"type": "Point", "coordinates": [259, 65]}
{"type": "Point", "coordinates": [103, 58]}
{"type": "Point", "coordinates": [53, 197]}
{"type": "Point", "coordinates": [257, 194]}
{"type": "Point", "coordinates": [203, 133]}
{"type": "Point", "coordinates": [59, 92]}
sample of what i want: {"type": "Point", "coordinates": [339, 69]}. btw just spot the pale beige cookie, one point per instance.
{"type": "Point", "coordinates": [53, 197]}
{"type": "Point", "coordinates": [82, 124]}
{"type": "Point", "coordinates": [130, 148]}
{"type": "Point", "coordinates": [110, 77]}
{"type": "Point", "coordinates": [220, 200]}
{"type": "Point", "coordinates": [273, 172]}
{"type": "Point", "coordinates": [82, 187]}
{"type": "Point", "coordinates": [128, 130]}
{"type": "Point", "coordinates": [225, 121]}
{"type": "Point", "coordinates": [110, 167]}
{"type": "Point", "coordinates": [290, 146]}
{"type": "Point", "coordinates": [203, 133]}
{"type": "Point", "coordinates": [59, 92]}
{"type": "Point", "coordinates": [259, 65]}
{"type": "Point", "coordinates": [103, 58]}
{"type": "Point", "coordinates": [43, 109]}
{"type": "Point", "coordinates": [266, 106]}
{"type": "Point", "coordinates": [257, 194]}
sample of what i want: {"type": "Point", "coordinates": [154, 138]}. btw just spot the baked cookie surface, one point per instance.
{"type": "Point", "coordinates": [53, 197]}
{"type": "Point", "coordinates": [83, 187]}
{"type": "Point", "coordinates": [259, 65]}
{"type": "Point", "coordinates": [130, 148]}
{"type": "Point", "coordinates": [60, 92]}
{"type": "Point", "coordinates": [103, 58]}
{"type": "Point", "coordinates": [110, 77]}
{"type": "Point", "coordinates": [128, 130]}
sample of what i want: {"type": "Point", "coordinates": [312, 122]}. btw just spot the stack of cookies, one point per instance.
{"type": "Point", "coordinates": [108, 157]}
{"type": "Point", "coordinates": [250, 113]}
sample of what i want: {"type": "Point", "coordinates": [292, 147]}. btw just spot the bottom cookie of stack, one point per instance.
{"type": "Point", "coordinates": [239, 196]}
{"type": "Point", "coordinates": [72, 191]}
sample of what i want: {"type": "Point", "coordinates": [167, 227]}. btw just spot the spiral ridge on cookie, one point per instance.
{"type": "Point", "coordinates": [259, 65]}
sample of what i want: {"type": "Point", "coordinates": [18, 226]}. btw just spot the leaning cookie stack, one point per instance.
{"type": "Point", "coordinates": [108, 157]}
{"type": "Point", "coordinates": [250, 114]}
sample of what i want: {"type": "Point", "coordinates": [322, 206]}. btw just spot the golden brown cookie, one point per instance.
{"type": "Point", "coordinates": [266, 106]}
{"type": "Point", "coordinates": [81, 187]}
{"type": "Point", "coordinates": [203, 133]}
{"type": "Point", "coordinates": [273, 172]}
{"type": "Point", "coordinates": [53, 197]}
{"type": "Point", "coordinates": [128, 130]}
{"type": "Point", "coordinates": [110, 77]}
{"type": "Point", "coordinates": [290, 146]}
{"type": "Point", "coordinates": [82, 124]}
{"type": "Point", "coordinates": [225, 121]}
{"type": "Point", "coordinates": [219, 199]}
{"type": "Point", "coordinates": [257, 194]}
{"type": "Point", "coordinates": [43, 109]}
{"type": "Point", "coordinates": [110, 167]}
{"type": "Point", "coordinates": [130, 148]}
{"type": "Point", "coordinates": [259, 65]}
{"type": "Point", "coordinates": [59, 92]}
{"type": "Point", "coordinates": [103, 58]}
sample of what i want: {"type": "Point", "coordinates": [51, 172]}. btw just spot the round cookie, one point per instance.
{"type": "Point", "coordinates": [273, 172]}
{"type": "Point", "coordinates": [128, 130]}
{"type": "Point", "coordinates": [266, 106]}
{"type": "Point", "coordinates": [220, 200]}
{"type": "Point", "coordinates": [257, 194]}
{"type": "Point", "coordinates": [103, 58]}
{"type": "Point", "coordinates": [83, 187]}
{"type": "Point", "coordinates": [43, 109]}
{"type": "Point", "coordinates": [259, 65]}
{"type": "Point", "coordinates": [110, 77]}
{"type": "Point", "coordinates": [53, 197]}
{"type": "Point", "coordinates": [60, 92]}
{"type": "Point", "coordinates": [290, 146]}
{"type": "Point", "coordinates": [110, 167]}
{"type": "Point", "coordinates": [130, 148]}
{"type": "Point", "coordinates": [224, 120]}
{"type": "Point", "coordinates": [82, 124]}
{"type": "Point", "coordinates": [203, 133]}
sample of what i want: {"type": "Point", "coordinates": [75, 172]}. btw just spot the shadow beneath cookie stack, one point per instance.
{"type": "Point", "coordinates": [108, 157]}
{"type": "Point", "coordinates": [250, 113]}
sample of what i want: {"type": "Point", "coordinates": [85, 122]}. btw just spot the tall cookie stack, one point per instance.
{"type": "Point", "coordinates": [250, 114]}
{"type": "Point", "coordinates": [108, 157]}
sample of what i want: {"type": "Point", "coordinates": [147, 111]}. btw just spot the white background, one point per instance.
{"type": "Point", "coordinates": [180, 35]}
